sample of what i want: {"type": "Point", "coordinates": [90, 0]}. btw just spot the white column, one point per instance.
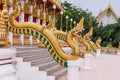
{"type": "Point", "coordinates": [38, 20]}
{"type": "Point", "coordinates": [31, 40]}
{"type": "Point", "coordinates": [7, 68]}
{"type": "Point", "coordinates": [98, 53]}
{"type": "Point", "coordinates": [22, 39]}
{"type": "Point", "coordinates": [10, 37]}
{"type": "Point", "coordinates": [30, 19]}
{"type": "Point", "coordinates": [21, 19]}
{"type": "Point", "coordinates": [11, 1]}
{"type": "Point", "coordinates": [86, 62]}
{"type": "Point", "coordinates": [73, 69]}
{"type": "Point", "coordinates": [10, 10]}
{"type": "Point", "coordinates": [10, 34]}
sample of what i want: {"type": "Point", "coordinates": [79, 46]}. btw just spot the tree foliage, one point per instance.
{"type": "Point", "coordinates": [76, 14]}
{"type": "Point", "coordinates": [110, 34]}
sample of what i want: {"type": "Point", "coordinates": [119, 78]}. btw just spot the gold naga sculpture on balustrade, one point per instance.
{"type": "Point", "coordinates": [50, 38]}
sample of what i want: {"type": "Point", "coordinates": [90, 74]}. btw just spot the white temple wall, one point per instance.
{"type": "Point", "coordinates": [105, 20]}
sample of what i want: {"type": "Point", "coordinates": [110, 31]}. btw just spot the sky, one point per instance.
{"type": "Point", "coordinates": [95, 6]}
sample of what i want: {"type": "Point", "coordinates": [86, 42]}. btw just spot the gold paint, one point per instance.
{"type": "Point", "coordinates": [42, 39]}
{"type": "Point", "coordinates": [48, 46]}
{"type": "Point", "coordinates": [61, 22]}
{"type": "Point", "coordinates": [119, 45]}
{"type": "Point", "coordinates": [79, 27]}
{"type": "Point", "coordinates": [3, 26]}
{"type": "Point", "coordinates": [46, 32]}
{"type": "Point", "coordinates": [72, 38]}
{"type": "Point", "coordinates": [98, 42]}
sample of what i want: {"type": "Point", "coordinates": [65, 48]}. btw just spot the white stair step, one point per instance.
{"type": "Point", "coordinates": [23, 50]}
{"type": "Point", "coordinates": [52, 69]}
{"type": "Point", "coordinates": [29, 48]}
{"type": "Point", "coordinates": [41, 61]}
{"type": "Point", "coordinates": [26, 59]}
{"type": "Point", "coordinates": [7, 70]}
{"type": "Point", "coordinates": [50, 77]}
{"type": "Point", "coordinates": [9, 77]}
{"type": "Point", "coordinates": [26, 72]}
{"type": "Point", "coordinates": [64, 77]}
{"type": "Point", "coordinates": [46, 65]}
{"type": "Point", "coordinates": [59, 73]}
{"type": "Point", "coordinates": [32, 53]}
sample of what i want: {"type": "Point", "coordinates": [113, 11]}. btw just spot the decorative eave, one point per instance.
{"type": "Point", "coordinates": [58, 5]}
{"type": "Point", "coordinates": [101, 14]}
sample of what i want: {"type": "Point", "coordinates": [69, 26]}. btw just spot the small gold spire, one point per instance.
{"type": "Point", "coordinates": [5, 13]}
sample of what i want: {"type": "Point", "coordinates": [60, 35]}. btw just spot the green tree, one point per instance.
{"type": "Point", "coordinates": [110, 34]}
{"type": "Point", "coordinates": [76, 14]}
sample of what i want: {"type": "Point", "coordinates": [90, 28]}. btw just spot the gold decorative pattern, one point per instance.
{"type": "Point", "coordinates": [3, 26]}
{"type": "Point", "coordinates": [108, 14]}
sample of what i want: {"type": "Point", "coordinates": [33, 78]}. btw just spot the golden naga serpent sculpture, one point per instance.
{"type": "Point", "coordinates": [49, 39]}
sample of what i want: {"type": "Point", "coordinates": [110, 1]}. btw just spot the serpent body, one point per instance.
{"type": "Point", "coordinates": [43, 34]}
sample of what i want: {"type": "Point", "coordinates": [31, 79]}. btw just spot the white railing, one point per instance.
{"type": "Point", "coordinates": [73, 69]}
{"type": "Point", "coordinates": [118, 52]}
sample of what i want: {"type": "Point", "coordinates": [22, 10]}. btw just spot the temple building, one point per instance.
{"type": "Point", "coordinates": [107, 16]}
{"type": "Point", "coordinates": [42, 12]}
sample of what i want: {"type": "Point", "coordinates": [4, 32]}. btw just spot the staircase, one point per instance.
{"type": "Point", "coordinates": [40, 57]}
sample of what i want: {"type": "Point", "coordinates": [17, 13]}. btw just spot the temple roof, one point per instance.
{"type": "Point", "coordinates": [101, 14]}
